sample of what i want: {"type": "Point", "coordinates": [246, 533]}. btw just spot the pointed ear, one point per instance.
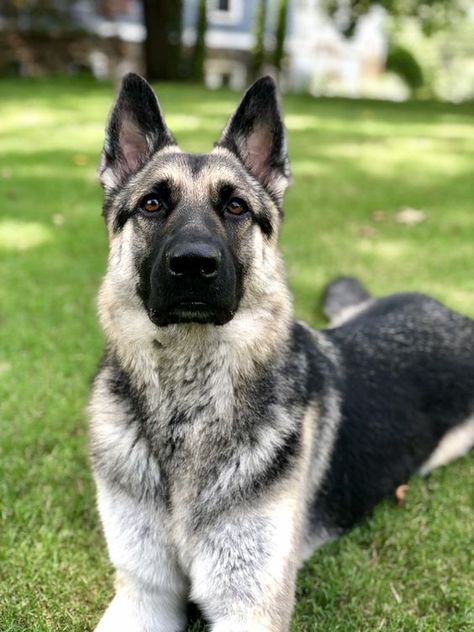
{"type": "Point", "coordinates": [136, 129]}
{"type": "Point", "coordinates": [255, 133]}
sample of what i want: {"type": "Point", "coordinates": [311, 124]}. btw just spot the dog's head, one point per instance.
{"type": "Point", "coordinates": [193, 237]}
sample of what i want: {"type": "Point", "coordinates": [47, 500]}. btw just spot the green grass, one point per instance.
{"type": "Point", "coordinates": [403, 569]}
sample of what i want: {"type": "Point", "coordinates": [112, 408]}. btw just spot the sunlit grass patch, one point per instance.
{"type": "Point", "coordinates": [17, 235]}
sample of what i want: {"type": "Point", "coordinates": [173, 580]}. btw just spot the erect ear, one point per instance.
{"type": "Point", "coordinates": [255, 133]}
{"type": "Point", "coordinates": [136, 129]}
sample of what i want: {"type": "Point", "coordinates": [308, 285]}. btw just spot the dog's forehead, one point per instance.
{"type": "Point", "coordinates": [192, 174]}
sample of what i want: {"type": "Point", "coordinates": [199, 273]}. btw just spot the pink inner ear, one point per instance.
{"type": "Point", "coordinates": [133, 144]}
{"type": "Point", "coordinates": [258, 150]}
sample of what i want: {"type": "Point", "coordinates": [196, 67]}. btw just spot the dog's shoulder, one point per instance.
{"type": "Point", "coordinates": [312, 362]}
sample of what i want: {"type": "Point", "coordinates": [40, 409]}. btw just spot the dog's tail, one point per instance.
{"type": "Point", "coordinates": [343, 298]}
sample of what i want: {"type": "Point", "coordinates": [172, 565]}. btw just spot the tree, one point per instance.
{"type": "Point", "coordinates": [258, 54]}
{"type": "Point", "coordinates": [163, 22]}
{"type": "Point", "coordinates": [431, 14]}
{"type": "Point", "coordinates": [404, 64]}
{"type": "Point", "coordinates": [279, 51]}
{"type": "Point", "coordinates": [199, 53]}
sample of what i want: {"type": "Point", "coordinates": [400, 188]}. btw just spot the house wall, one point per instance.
{"type": "Point", "coordinates": [229, 40]}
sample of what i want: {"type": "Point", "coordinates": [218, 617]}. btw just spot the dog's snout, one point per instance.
{"type": "Point", "coordinates": [194, 260]}
{"type": "Point", "coordinates": [192, 280]}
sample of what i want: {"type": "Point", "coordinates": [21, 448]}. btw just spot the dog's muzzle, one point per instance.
{"type": "Point", "coordinates": [192, 281]}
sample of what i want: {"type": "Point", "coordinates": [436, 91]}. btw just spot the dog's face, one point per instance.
{"type": "Point", "coordinates": [191, 235]}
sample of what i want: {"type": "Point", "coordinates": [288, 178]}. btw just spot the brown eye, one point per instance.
{"type": "Point", "coordinates": [236, 207]}
{"type": "Point", "coordinates": [151, 204]}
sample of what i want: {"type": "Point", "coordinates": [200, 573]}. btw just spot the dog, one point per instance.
{"type": "Point", "coordinates": [228, 440]}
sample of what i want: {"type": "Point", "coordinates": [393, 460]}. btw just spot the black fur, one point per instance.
{"type": "Point", "coordinates": [408, 367]}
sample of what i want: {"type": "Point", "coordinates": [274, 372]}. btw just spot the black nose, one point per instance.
{"type": "Point", "coordinates": [194, 259]}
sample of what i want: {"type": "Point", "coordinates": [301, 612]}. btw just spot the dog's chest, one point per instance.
{"type": "Point", "coordinates": [188, 428]}
{"type": "Point", "coordinates": [194, 435]}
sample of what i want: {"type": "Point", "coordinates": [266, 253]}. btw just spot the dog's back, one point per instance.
{"type": "Point", "coordinates": [407, 395]}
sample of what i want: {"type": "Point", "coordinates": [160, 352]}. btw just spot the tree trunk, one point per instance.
{"type": "Point", "coordinates": [199, 53]}
{"type": "Point", "coordinates": [163, 39]}
{"type": "Point", "coordinates": [258, 53]}
{"type": "Point", "coordinates": [279, 51]}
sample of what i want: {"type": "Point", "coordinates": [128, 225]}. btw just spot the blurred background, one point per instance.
{"type": "Point", "coordinates": [391, 49]}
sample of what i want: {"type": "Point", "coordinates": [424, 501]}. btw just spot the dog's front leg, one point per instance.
{"type": "Point", "coordinates": [139, 608]}
{"type": "Point", "coordinates": [151, 591]}
{"type": "Point", "coordinates": [243, 575]}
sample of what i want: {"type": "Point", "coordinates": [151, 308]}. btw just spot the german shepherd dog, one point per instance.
{"type": "Point", "coordinates": [228, 440]}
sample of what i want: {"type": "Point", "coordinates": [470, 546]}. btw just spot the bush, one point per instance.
{"type": "Point", "coordinates": [403, 63]}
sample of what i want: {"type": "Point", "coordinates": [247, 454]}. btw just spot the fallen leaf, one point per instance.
{"type": "Point", "coordinates": [397, 597]}
{"type": "Point", "coordinates": [411, 216]}
{"type": "Point", "coordinates": [400, 494]}
{"type": "Point", "coordinates": [380, 216]}
{"type": "Point", "coordinates": [367, 231]}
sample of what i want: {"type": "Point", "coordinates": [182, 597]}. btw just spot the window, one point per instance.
{"type": "Point", "coordinates": [225, 11]}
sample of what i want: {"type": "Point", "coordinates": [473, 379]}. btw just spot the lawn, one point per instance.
{"type": "Point", "coordinates": [355, 166]}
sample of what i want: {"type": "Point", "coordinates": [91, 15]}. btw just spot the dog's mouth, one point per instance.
{"type": "Point", "coordinates": [191, 312]}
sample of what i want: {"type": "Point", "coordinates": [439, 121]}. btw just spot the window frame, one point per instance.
{"type": "Point", "coordinates": [232, 16]}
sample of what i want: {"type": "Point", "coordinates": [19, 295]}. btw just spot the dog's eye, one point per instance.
{"type": "Point", "coordinates": [151, 204]}
{"type": "Point", "coordinates": [236, 206]}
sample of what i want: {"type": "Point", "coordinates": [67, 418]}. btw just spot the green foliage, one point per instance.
{"type": "Point", "coordinates": [404, 64]}
{"type": "Point", "coordinates": [280, 34]}
{"type": "Point", "coordinates": [199, 53]}
{"type": "Point", "coordinates": [404, 569]}
{"type": "Point", "coordinates": [431, 14]}
{"type": "Point", "coordinates": [258, 54]}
